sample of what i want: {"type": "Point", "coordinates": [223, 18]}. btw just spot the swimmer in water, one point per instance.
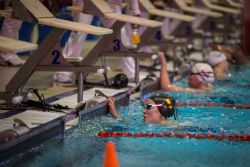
{"type": "Point", "coordinates": [157, 109]}
{"type": "Point", "coordinates": [200, 78]}
{"type": "Point", "coordinates": [220, 64]}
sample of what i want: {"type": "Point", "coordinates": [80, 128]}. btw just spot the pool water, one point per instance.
{"type": "Point", "coordinates": [82, 147]}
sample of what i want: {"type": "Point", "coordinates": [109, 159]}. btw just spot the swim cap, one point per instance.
{"type": "Point", "coordinates": [204, 72]}
{"type": "Point", "coordinates": [168, 105]}
{"type": "Point", "coordinates": [215, 58]}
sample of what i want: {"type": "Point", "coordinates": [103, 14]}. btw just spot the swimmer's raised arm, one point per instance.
{"type": "Point", "coordinates": [164, 78]}
{"type": "Point", "coordinates": [112, 108]}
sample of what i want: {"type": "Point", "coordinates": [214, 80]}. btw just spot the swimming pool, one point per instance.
{"type": "Point", "coordinates": [82, 147]}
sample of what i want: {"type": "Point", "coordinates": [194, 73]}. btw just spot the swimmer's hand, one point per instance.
{"type": "Point", "coordinates": [112, 108]}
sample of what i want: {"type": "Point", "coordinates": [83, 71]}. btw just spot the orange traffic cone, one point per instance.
{"type": "Point", "coordinates": [110, 157]}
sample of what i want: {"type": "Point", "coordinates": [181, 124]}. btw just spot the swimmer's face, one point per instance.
{"type": "Point", "coordinates": [194, 82]}
{"type": "Point", "coordinates": [151, 115]}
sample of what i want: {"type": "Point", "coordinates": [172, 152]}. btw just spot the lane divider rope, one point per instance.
{"type": "Point", "coordinates": [211, 104]}
{"type": "Point", "coordinates": [235, 137]}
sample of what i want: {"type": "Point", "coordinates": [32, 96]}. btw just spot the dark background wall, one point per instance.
{"type": "Point", "coordinates": [246, 27]}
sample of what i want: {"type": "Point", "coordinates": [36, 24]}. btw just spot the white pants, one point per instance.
{"type": "Point", "coordinates": [76, 40]}
{"type": "Point", "coordinates": [10, 29]}
{"type": "Point", "coordinates": [75, 43]}
{"type": "Point", "coordinates": [128, 63]}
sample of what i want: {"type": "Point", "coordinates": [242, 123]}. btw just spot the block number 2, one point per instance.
{"type": "Point", "coordinates": [56, 56]}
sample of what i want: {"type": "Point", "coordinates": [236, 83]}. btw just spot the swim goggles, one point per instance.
{"type": "Point", "coordinates": [166, 108]}
{"type": "Point", "coordinates": [150, 106]}
{"type": "Point", "coordinates": [203, 74]}
{"type": "Point", "coordinates": [206, 77]}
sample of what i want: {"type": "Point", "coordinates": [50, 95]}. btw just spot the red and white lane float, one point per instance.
{"type": "Point", "coordinates": [234, 137]}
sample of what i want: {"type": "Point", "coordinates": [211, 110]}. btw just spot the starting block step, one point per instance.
{"type": "Point", "coordinates": [5, 13]}
{"type": "Point", "coordinates": [151, 9]}
{"type": "Point", "coordinates": [15, 46]}
{"type": "Point", "coordinates": [133, 20]}
{"type": "Point", "coordinates": [186, 8]}
{"type": "Point", "coordinates": [74, 26]}
{"type": "Point", "coordinates": [74, 59]}
{"type": "Point", "coordinates": [44, 16]}
{"type": "Point", "coordinates": [235, 4]}
{"type": "Point", "coordinates": [171, 15]}
{"type": "Point", "coordinates": [220, 8]}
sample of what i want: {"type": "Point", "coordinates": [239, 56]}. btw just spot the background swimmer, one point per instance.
{"type": "Point", "coordinates": [200, 78]}
{"type": "Point", "coordinates": [220, 64]}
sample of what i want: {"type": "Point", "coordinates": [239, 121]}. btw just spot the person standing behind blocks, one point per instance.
{"type": "Point", "coordinates": [74, 44]}
{"type": "Point", "coordinates": [10, 29]}
{"type": "Point", "coordinates": [128, 63]}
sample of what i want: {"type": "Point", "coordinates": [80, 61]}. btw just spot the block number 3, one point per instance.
{"type": "Point", "coordinates": [117, 45]}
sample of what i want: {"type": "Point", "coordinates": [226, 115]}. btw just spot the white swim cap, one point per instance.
{"type": "Point", "coordinates": [215, 57]}
{"type": "Point", "coordinates": [204, 72]}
